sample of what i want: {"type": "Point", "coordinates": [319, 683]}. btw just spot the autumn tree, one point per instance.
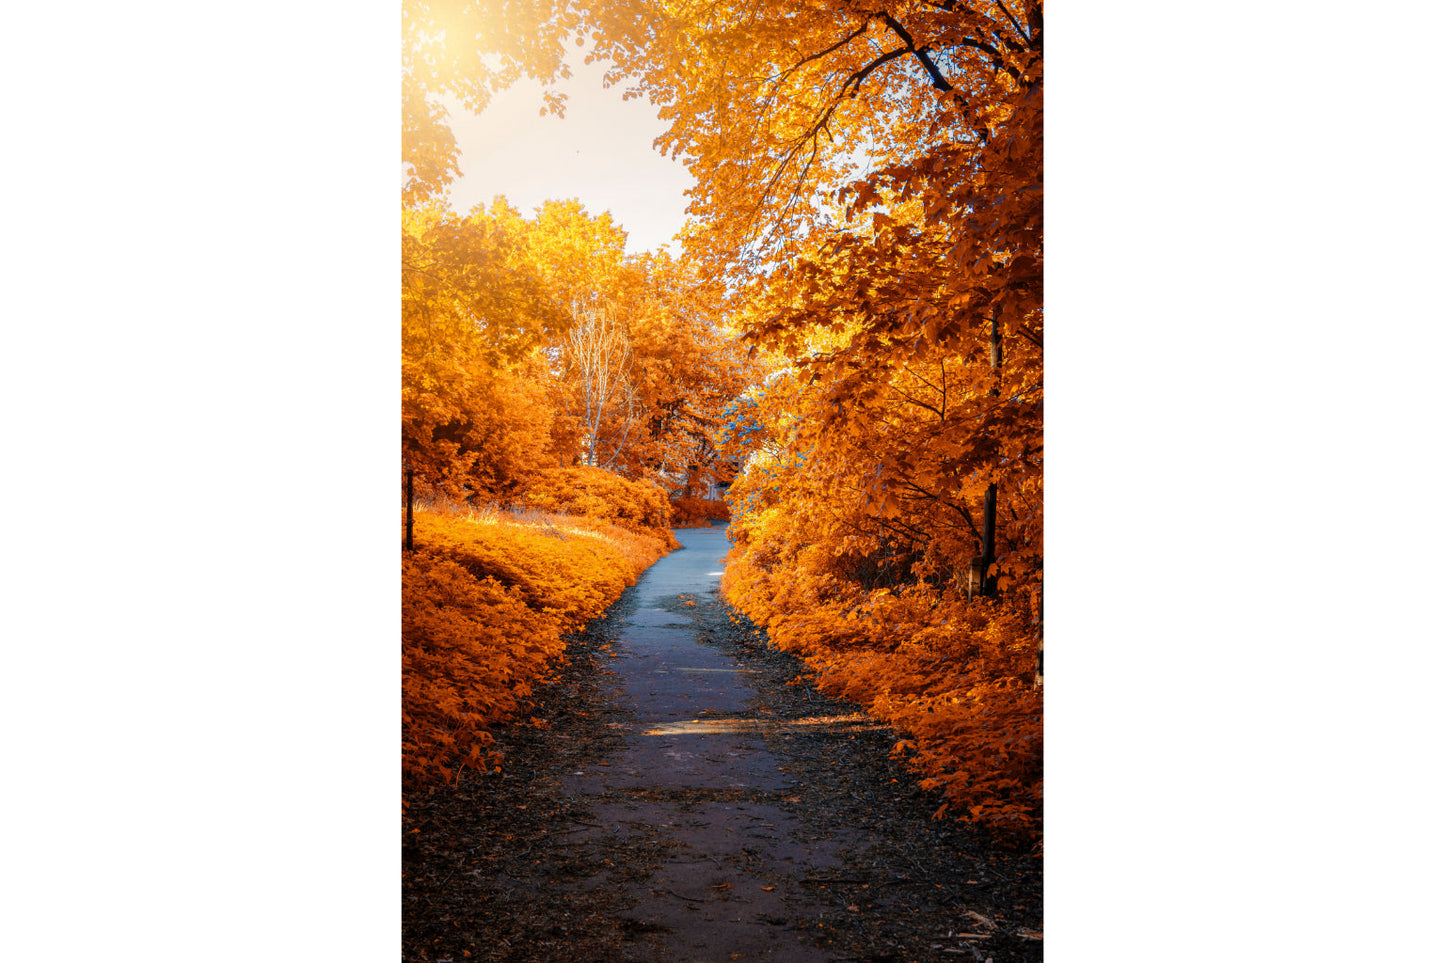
{"type": "Point", "coordinates": [599, 356]}
{"type": "Point", "coordinates": [475, 318]}
{"type": "Point", "coordinates": [870, 179]}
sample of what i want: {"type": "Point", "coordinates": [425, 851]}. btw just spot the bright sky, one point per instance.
{"type": "Point", "coordinates": [601, 153]}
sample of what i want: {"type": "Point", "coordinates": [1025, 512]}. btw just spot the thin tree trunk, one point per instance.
{"type": "Point", "coordinates": [990, 512]}
{"type": "Point", "coordinates": [1039, 666]}
{"type": "Point", "coordinates": [409, 543]}
{"type": "Point", "coordinates": [990, 498]}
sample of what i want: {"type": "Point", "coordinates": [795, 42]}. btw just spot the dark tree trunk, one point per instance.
{"type": "Point", "coordinates": [990, 512]}
{"type": "Point", "coordinates": [1039, 667]}
{"type": "Point", "coordinates": [408, 545]}
{"type": "Point", "coordinates": [990, 499]}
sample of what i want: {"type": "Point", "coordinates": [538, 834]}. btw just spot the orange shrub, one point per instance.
{"type": "Point", "coordinates": [486, 602]}
{"type": "Point", "coordinates": [954, 676]}
{"type": "Point", "coordinates": [596, 493]}
{"type": "Point", "coordinates": [467, 647]}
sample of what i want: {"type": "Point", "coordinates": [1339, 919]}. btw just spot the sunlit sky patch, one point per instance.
{"type": "Point", "coordinates": [601, 153]}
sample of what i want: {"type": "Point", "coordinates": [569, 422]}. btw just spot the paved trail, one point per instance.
{"type": "Point", "coordinates": [704, 902]}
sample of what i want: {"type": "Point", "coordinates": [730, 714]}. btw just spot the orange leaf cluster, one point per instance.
{"type": "Point", "coordinates": [860, 522]}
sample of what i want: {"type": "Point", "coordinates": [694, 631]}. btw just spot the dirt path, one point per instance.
{"type": "Point", "coordinates": [689, 801]}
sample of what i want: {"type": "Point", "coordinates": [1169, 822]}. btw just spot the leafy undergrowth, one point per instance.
{"type": "Point", "coordinates": [955, 676]}
{"type": "Point", "coordinates": [486, 602]}
{"type": "Point", "coordinates": [599, 494]}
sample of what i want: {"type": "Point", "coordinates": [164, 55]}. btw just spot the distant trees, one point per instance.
{"type": "Point", "coordinates": [532, 343]}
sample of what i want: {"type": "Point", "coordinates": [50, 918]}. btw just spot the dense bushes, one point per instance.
{"type": "Point", "coordinates": [598, 494]}
{"type": "Point", "coordinates": [468, 648]}
{"type": "Point", "coordinates": [486, 601]}
{"type": "Point", "coordinates": [955, 676]}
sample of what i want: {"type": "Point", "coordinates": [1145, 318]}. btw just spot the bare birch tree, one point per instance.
{"type": "Point", "coordinates": [600, 353]}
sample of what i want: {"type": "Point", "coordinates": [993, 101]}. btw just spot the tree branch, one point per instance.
{"type": "Point", "coordinates": [1028, 335]}
{"type": "Point", "coordinates": [822, 53]}
{"type": "Point", "coordinates": [858, 76]}
{"type": "Point", "coordinates": [1006, 13]}
{"type": "Point", "coordinates": [922, 55]}
{"type": "Point", "coordinates": [915, 401]}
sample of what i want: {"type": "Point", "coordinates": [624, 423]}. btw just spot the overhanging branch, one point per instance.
{"type": "Point", "coordinates": [921, 53]}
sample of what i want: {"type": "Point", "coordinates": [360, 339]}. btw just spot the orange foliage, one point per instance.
{"type": "Point", "coordinates": [888, 519]}
{"type": "Point", "coordinates": [467, 646]}
{"type": "Point", "coordinates": [475, 411]}
{"type": "Point", "coordinates": [486, 602]}
{"type": "Point", "coordinates": [954, 676]}
{"type": "Point", "coordinates": [596, 493]}
{"type": "Point", "coordinates": [855, 521]}
{"type": "Point", "coordinates": [495, 385]}
{"type": "Point", "coordinates": [691, 512]}
{"type": "Point", "coordinates": [687, 372]}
